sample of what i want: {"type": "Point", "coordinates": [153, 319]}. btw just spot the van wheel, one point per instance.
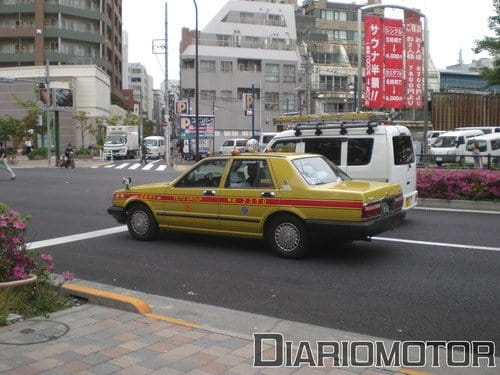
{"type": "Point", "coordinates": [141, 222]}
{"type": "Point", "coordinates": [287, 236]}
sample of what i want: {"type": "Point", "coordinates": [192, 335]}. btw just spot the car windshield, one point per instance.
{"type": "Point", "coordinates": [115, 139]}
{"type": "Point", "coordinates": [267, 138]}
{"type": "Point", "coordinates": [319, 171]}
{"type": "Point", "coordinates": [228, 143]}
{"type": "Point", "coordinates": [151, 142]}
{"type": "Point", "coordinates": [445, 142]}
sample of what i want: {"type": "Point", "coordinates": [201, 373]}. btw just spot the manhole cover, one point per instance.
{"type": "Point", "coordinates": [33, 332]}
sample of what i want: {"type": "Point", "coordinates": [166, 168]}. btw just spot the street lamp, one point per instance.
{"type": "Point", "coordinates": [197, 95]}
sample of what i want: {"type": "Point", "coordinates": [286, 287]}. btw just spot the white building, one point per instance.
{"type": "Point", "coordinates": [91, 94]}
{"type": "Point", "coordinates": [247, 42]}
{"type": "Point", "coordinates": [142, 84]}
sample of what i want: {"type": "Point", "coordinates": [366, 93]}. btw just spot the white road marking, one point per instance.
{"type": "Point", "coordinates": [109, 166]}
{"type": "Point", "coordinates": [457, 210]}
{"type": "Point", "coordinates": [161, 168]}
{"type": "Point", "coordinates": [148, 167]}
{"type": "Point", "coordinates": [156, 161]}
{"type": "Point", "coordinates": [135, 166]}
{"type": "Point", "coordinates": [121, 166]}
{"type": "Point", "coordinates": [441, 244]}
{"type": "Point", "coordinates": [94, 166]}
{"type": "Point", "coordinates": [76, 237]}
{"type": "Point", "coordinates": [123, 228]}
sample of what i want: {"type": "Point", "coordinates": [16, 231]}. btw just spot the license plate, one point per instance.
{"type": "Point", "coordinates": [385, 208]}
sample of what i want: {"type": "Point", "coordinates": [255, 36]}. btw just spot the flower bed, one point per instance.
{"type": "Point", "coordinates": [474, 184]}
{"type": "Point", "coordinates": [17, 263]}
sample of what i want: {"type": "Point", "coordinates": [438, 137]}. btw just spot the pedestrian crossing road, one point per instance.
{"type": "Point", "coordinates": [156, 165]}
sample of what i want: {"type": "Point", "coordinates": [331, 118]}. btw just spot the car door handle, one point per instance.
{"type": "Point", "coordinates": [267, 194]}
{"type": "Point", "coordinates": [208, 192]}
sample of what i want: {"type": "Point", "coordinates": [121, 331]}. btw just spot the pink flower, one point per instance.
{"type": "Point", "coordinates": [2, 235]}
{"type": "Point", "coordinates": [3, 224]}
{"type": "Point", "coordinates": [19, 224]}
{"type": "Point", "coordinates": [14, 214]}
{"type": "Point", "coordinates": [19, 273]}
{"type": "Point", "coordinates": [15, 240]}
{"type": "Point", "coordinates": [51, 267]}
{"type": "Point", "coordinates": [46, 257]}
{"type": "Point", "coordinates": [68, 276]}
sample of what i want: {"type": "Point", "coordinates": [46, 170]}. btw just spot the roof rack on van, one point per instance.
{"type": "Point", "coordinates": [343, 126]}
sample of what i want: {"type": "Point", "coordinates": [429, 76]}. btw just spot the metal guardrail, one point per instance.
{"type": "Point", "coordinates": [461, 161]}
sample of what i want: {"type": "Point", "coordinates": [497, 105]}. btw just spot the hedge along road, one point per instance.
{"type": "Point", "coordinates": [382, 288]}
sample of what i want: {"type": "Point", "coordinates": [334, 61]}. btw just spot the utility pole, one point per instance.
{"type": "Point", "coordinates": [47, 109]}
{"type": "Point", "coordinates": [253, 110]}
{"type": "Point", "coordinates": [167, 91]}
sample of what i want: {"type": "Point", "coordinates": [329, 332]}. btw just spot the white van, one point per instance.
{"type": "Point", "coordinates": [265, 138]}
{"type": "Point", "coordinates": [156, 147]}
{"type": "Point", "coordinates": [488, 144]}
{"type": "Point", "coordinates": [450, 147]}
{"type": "Point", "coordinates": [370, 152]}
{"type": "Point", "coordinates": [484, 129]}
{"type": "Point", "coordinates": [230, 145]}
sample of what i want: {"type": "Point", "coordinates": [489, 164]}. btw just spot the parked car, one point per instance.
{"type": "Point", "coordinates": [484, 129]}
{"type": "Point", "coordinates": [435, 133]}
{"type": "Point", "coordinates": [156, 147]}
{"type": "Point", "coordinates": [230, 145]}
{"type": "Point", "coordinates": [450, 147]}
{"type": "Point", "coordinates": [488, 144]}
{"type": "Point", "coordinates": [374, 153]}
{"type": "Point", "coordinates": [288, 199]}
{"type": "Point", "coordinates": [265, 138]}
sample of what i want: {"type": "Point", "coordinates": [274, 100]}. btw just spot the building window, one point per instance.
{"type": "Point", "coordinates": [288, 104]}
{"type": "Point", "coordinates": [340, 84]}
{"type": "Point", "coordinates": [248, 65]}
{"type": "Point", "coordinates": [224, 40]}
{"type": "Point", "coordinates": [272, 73]}
{"type": "Point", "coordinates": [226, 94]}
{"type": "Point", "coordinates": [207, 66]}
{"type": "Point", "coordinates": [288, 73]}
{"type": "Point", "coordinates": [135, 71]}
{"type": "Point", "coordinates": [187, 64]}
{"type": "Point", "coordinates": [226, 66]}
{"type": "Point", "coordinates": [333, 15]}
{"type": "Point", "coordinates": [326, 83]}
{"type": "Point", "coordinates": [207, 95]}
{"type": "Point", "coordinates": [272, 100]}
{"type": "Point", "coordinates": [136, 79]}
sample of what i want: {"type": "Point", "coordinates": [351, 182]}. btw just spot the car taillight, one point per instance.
{"type": "Point", "coordinates": [371, 210]}
{"type": "Point", "coordinates": [398, 202]}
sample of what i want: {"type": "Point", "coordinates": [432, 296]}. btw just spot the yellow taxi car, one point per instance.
{"type": "Point", "coordinates": [287, 199]}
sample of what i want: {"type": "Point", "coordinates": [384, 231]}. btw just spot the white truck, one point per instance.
{"type": "Point", "coordinates": [121, 142]}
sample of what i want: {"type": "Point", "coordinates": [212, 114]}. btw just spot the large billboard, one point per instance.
{"type": "Point", "coordinates": [205, 130]}
{"type": "Point", "coordinates": [63, 99]}
{"type": "Point", "coordinates": [393, 62]}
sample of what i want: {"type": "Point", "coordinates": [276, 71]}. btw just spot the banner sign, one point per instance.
{"type": "Point", "coordinates": [181, 107]}
{"type": "Point", "coordinates": [247, 102]}
{"type": "Point", "coordinates": [414, 59]}
{"type": "Point", "coordinates": [374, 56]}
{"type": "Point", "coordinates": [205, 130]}
{"type": "Point", "coordinates": [63, 99]}
{"type": "Point", "coordinates": [393, 63]}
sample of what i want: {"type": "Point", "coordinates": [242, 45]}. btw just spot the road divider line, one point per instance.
{"type": "Point", "coordinates": [441, 244]}
{"type": "Point", "coordinates": [457, 210]}
{"type": "Point", "coordinates": [76, 237]}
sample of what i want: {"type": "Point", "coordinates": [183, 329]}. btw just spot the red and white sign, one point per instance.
{"type": "Point", "coordinates": [374, 55]}
{"type": "Point", "coordinates": [414, 58]}
{"type": "Point", "coordinates": [393, 63]}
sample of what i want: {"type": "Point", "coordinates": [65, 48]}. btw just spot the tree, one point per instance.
{"type": "Point", "coordinates": [147, 128]}
{"type": "Point", "coordinates": [132, 119]}
{"type": "Point", "coordinates": [100, 135]}
{"type": "Point", "coordinates": [30, 121]}
{"type": "Point", "coordinates": [114, 120]}
{"type": "Point", "coordinates": [9, 128]}
{"type": "Point", "coordinates": [82, 118]}
{"type": "Point", "coordinates": [491, 44]}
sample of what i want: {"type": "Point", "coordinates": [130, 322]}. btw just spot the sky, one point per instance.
{"type": "Point", "coordinates": [453, 25]}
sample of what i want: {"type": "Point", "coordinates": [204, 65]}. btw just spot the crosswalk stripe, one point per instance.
{"type": "Point", "coordinates": [161, 168]}
{"type": "Point", "coordinates": [156, 161]}
{"type": "Point", "coordinates": [148, 167]}
{"type": "Point", "coordinates": [121, 166]}
{"type": "Point", "coordinates": [109, 166]}
{"type": "Point", "coordinates": [94, 166]}
{"type": "Point", "coordinates": [135, 166]}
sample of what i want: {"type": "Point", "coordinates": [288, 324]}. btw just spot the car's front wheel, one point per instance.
{"type": "Point", "coordinates": [288, 236]}
{"type": "Point", "coordinates": [141, 223]}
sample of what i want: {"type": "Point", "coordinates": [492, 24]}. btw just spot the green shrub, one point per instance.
{"type": "Point", "coordinates": [41, 151]}
{"type": "Point", "coordinates": [82, 151]}
{"type": "Point", "coordinates": [4, 208]}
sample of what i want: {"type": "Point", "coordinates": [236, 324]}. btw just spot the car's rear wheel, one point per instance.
{"type": "Point", "coordinates": [141, 222]}
{"type": "Point", "coordinates": [287, 236]}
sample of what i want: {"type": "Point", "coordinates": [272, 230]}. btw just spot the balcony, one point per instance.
{"type": "Point", "coordinates": [17, 57]}
{"type": "Point", "coordinates": [54, 7]}
{"type": "Point", "coordinates": [53, 32]}
{"type": "Point", "coordinates": [240, 42]}
{"type": "Point", "coordinates": [17, 7]}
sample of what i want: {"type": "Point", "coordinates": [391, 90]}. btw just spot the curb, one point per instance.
{"type": "Point", "coordinates": [459, 204]}
{"type": "Point", "coordinates": [120, 302]}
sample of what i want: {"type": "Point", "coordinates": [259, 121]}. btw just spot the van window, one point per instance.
{"type": "Point", "coordinates": [267, 138]}
{"type": "Point", "coordinates": [461, 140]}
{"type": "Point", "coordinates": [486, 130]}
{"type": "Point", "coordinates": [329, 148]}
{"type": "Point", "coordinates": [286, 145]}
{"type": "Point", "coordinates": [359, 151]}
{"type": "Point", "coordinates": [228, 143]}
{"type": "Point", "coordinates": [403, 150]}
{"type": "Point", "coordinates": [495, 144]}
{"type": "Point", "coordinates": [241, 143]}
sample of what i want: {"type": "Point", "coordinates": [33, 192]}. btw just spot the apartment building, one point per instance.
{"type": "Point", "coordinates": [247, 43]}
{"type": "Point", "coordinates": [66, 32]}
{"type": "Point", "coordinates": [142, 85]}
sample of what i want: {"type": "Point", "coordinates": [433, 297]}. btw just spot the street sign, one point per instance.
{"type": "Point", "coordinates": [181, 107]}
{"type": "Point", "coordinates": [248, 113]}
{"type": "Point", "coordinates": [206, 129]}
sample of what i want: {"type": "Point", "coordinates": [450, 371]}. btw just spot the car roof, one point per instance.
{"type": "Point", "coordinates": [311, 132]}
{"type": "Point", "coordinates": [458, 133]}
{"type": "Point", "coordinates": [251, 155]}
{"type": "Point", "coordinates": [487, 136]}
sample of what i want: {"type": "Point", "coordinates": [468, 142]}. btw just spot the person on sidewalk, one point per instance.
{"type": "Point", "coordinates": [144, 152]}
{"type": "Point", "coordinates": [3, 161]}
{"type": "Point", "coordinates": [478, 160]}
